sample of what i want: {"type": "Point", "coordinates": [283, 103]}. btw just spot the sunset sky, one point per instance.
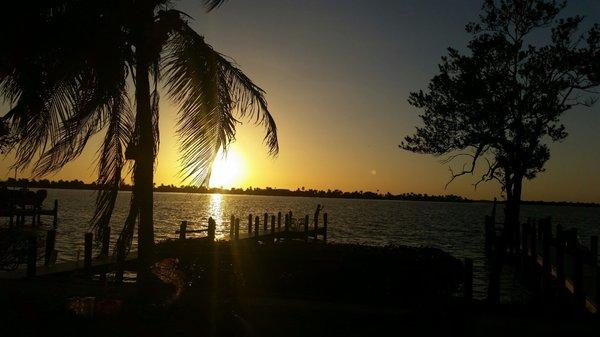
{"type": "Point", "coordinates": [337, 76]}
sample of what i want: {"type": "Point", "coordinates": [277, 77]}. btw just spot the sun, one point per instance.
{"type": "Point", "coordinates": [228, 171]}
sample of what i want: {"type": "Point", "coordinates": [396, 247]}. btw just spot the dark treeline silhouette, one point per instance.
{"type": "Point", "coordinates": [299, 192]}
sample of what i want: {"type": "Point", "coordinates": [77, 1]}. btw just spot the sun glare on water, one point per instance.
{"type": "Point", "coordinates": [228, 171]}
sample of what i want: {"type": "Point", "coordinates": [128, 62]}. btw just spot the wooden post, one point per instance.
{"type": "Point", "coordinates": [468, 280]}
{"type": "Point", "coordinates": [256, 224]}
{"type": "Point", "coordinates": [273, 228]}
{"type": "Point", "coordinates": [578, 279]}
{"type": "Point", "coordinates": [306, 228]}
{"type": "Point", "coordinates": [182, 230]}
{"type": "Point", "coordinates": [249, 225]}
{"type": "Point", "coordinates": [105, 242]}
{"type": "Point", "coordinates": [594, 250]}
{"type": "Point", "coordinates": [55, 215]}
{"type": "Point", "coordinates": [560, 258]}
{"type": "Point", "coordinates": [494, 210]}
{"type": "Point", "coordinates": [278, 221]}
{"type": "Point", "coordinates": [212, 225]}
{"type": "Point", "coordinates": [50, 243]}
{"type": "Point", "coordinates": [237, 229]}
{"type": "Point", "coordinates": [231, 226]}
{"type": "Point", "coordinates": [87, 252]}
{"type": "Point", "coordinates": [325, 227]}
{"type": "Point", "coordinates": [287, 222]}
{"type": "Point", "coordinates": [31, 256]}
{"type": "Point", "coordinates": [266, 224]}
{"type": "Point", "coordinates": [316, 221]}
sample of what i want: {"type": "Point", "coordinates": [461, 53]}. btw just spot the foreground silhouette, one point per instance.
{"type": "Point", "coordinates": [66, 70]}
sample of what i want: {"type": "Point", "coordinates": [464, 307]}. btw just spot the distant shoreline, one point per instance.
{"type": "Point", "coordinates": [278, 192]}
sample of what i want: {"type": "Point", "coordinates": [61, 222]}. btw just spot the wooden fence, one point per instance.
{"type": "Point", "coordinates": [567, 268]}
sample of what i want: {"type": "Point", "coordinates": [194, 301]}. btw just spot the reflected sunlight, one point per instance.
{"type": "Point", "coordinates": [228, 171]}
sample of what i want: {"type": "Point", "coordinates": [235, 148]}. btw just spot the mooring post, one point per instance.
{"type": "Point", "coordinates": [237, 229]}
{"type": "Point", "coordinates": [182, 229]}
{"type": "Point", "coordinates": [306, 228]}
{"type": "Point", "coordinates": [468, 280]}
{"type": "Point", "coordinates": [325, 227]}
{"type": "Point", "coordinates": [287, 223]}
{"type": "Point", "coordinates": [87, 251]}
{"type": "Point", "coordinates": [266, 224]}
{"type": "Point", "coordinates": [256, 225]}
{"type": "Point", "coordinates": [594, 251]}
{"type": "Point", "coordinates": [249, 225]}
{"type": "Point", "coordinates": [560, 258]}
{"type": "Point", "coordinates": [278, 221]}
{"type": "Point", "coordinates": [273, 228]}
{"type": "Point", "coordinates": [316, 221]}
{"type": "Point", "coordinates": [50, 243]}
{"type": "Point", "coordinates": [32, 256]}
{"type": "Point", "coordinates": [231, 226]}
{"type": "Point", "coordinates": [212, 225]}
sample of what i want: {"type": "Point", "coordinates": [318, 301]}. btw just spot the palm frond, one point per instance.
{"type": "Point", "coordinates": [211, 91]}
{"type": "Point", "coordinates": [111, 162]}
{"type": "Point", "coordinates": [212, 4]}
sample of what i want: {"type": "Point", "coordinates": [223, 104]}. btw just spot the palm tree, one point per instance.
{"type": "Point", "coordinates": [67, 71]}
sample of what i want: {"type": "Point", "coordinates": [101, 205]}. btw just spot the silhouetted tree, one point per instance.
{"type": "Point", "coordinates": [65, 68]}
{"type": "Point", "coordinates": [501, 103]}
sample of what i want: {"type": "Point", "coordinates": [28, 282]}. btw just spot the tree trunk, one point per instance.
{"type": "Point", "coordinates": [144, 169]}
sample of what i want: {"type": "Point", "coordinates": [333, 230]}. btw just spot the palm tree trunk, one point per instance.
{"type": "Point", "coordinates": [144, 169]}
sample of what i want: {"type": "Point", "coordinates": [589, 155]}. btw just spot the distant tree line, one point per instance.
{"type": "Point", "coordinates": [269, 191]}
{"type": "Point", "coordinates": [300, 192]}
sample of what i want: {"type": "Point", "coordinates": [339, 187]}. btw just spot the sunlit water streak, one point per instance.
{"type": "Point", "coordinates": [454, 227]}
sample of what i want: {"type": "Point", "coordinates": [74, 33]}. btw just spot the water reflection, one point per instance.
{"type": "Point", "coordinates": [215, 211]}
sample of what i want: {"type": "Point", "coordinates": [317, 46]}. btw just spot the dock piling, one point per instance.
{"type": "Point", "coordinates": [325, 227]}
{"type": "Point", "coordinates": [212, 225]}
{"type": "Point", "coordinates": [50, 244]}
{"type": "Point", "coordinates": [182, 230]}
{"type": "Point", "coordinates": [266, 223]}
{"type": "Point", "coordinates": [250, 225]}
{"type": "Point", "coordinates": [256, 225]}
{"type": "Point", "coordinates": [306, 228]}
{"type": "Point", "coordinates": [278, 220]}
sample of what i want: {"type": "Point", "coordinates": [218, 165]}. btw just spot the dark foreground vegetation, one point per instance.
{"type": "Point", "coordinates": [292, 289]}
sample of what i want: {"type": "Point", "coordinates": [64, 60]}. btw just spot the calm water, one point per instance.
{"type": "Point", "coordinates": [454, 227]}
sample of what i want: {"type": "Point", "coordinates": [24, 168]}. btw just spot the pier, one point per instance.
{"type": "Point", "coordinates": [553, 264]}
{"type": "Point", "coordinates": [268, 229]}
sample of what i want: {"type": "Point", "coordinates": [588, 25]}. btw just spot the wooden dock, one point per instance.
{"type": "Point", "coordinates": [567, 268]}
{"type": "Point", "coordinates": [261, 233]}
